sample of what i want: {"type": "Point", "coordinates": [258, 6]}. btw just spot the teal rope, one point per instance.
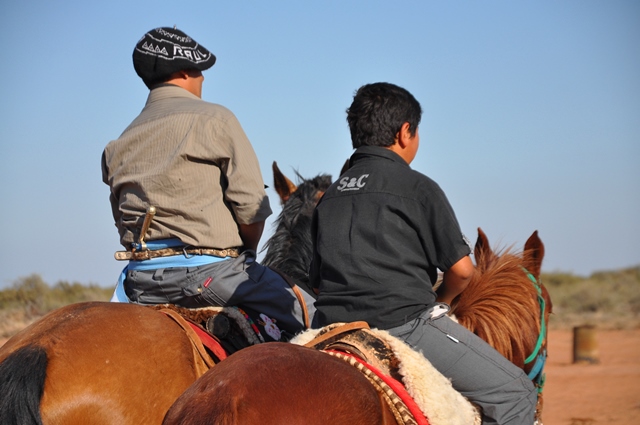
{"type": "Point", "coordinates": [543, 327]}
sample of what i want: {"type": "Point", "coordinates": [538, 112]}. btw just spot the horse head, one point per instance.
{"type": "Point", "coordinates": [289, 249]}
{"type": "Point", "coordinates": [505, 298]}
{"type": "Point", "coordinates": [507, 305]}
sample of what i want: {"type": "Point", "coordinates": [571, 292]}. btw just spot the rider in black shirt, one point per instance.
{"type": "Point", "coordinates": [380, 234]}
{"type": "Point", "coordinates": [391, 229]}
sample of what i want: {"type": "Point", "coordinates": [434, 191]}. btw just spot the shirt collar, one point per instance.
{"type": "Point", "coordinates": [375, 151]}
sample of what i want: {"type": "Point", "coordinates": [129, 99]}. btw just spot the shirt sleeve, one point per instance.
{"type": "Point", "coordinates": [115, 210]}
{"type": "Point", "coordinates": [445, 241]}
{"type": "Point", "coordinates": [244, 191]}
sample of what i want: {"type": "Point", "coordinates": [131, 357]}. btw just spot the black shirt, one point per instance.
{"type": "Point", "coordinates": [380, 234]}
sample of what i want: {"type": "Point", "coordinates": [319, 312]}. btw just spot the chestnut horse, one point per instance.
{"type": "Point", "coordinates": [124, 364]}
{"type": "Point", "coordinates": [98, 363]}
{"type": "Point", "coordinates": [285, 383]}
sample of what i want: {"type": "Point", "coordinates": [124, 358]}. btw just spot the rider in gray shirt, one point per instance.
{"type": "Point", "coordinates": [192, 162]}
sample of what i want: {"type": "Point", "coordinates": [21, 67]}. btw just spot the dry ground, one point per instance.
{"type": "Point", "coordinates": [593, 394]}
{"type": "Point", "coordinates": [607, 393]}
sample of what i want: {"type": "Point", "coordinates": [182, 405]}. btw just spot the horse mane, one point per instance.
{"type": "Point", "coordinates": [500, 304]}
{"type": "Point", "coordinates": [289, 249]}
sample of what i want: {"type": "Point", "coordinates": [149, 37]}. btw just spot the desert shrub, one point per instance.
{"type": "Point", "coordinates": [606, 299]}
{"type": "Point", "coordinates": [555, 280]}
{"type": "Point", "coordinates": [29, 298]}
{"type": "Point", "coordinates": [634, 305]}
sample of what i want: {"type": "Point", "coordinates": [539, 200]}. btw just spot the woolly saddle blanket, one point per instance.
{"type": "Point", "coordinates": [432, 392]}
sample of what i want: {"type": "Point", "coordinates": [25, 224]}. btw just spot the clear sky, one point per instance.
{"type": "Point", "coordinates": [531, 112]}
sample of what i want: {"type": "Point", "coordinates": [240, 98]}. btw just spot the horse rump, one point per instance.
{"type": "Point", "coordinates": [280, 383]}
{"type": "Point", "coordinates": [22, 376]}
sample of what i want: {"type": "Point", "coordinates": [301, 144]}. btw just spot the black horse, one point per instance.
{"type": "Point", "coordinates": [289, 249]}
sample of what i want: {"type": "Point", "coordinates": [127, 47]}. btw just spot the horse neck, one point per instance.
{"type": "Point", "coordinates": [500, 305]}
{"type": "Point", "coordinates": [289, 249]}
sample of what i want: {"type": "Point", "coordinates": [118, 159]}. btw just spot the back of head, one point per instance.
{"type": "Point", "coordinates": [378, 112]}
{"type": "Point", "coordinates": [163, 51]}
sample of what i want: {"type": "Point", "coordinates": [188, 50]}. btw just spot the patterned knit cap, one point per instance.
{"type": "Point", "coordinates": [163, 51]}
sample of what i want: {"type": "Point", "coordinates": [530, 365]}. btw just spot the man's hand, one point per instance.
{"type": "Point", "coordinates": [251, 234]}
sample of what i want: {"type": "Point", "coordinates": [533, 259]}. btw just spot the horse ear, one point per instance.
{"type": "Point", "coordinates": [533, 254]}
{"type": "Point", "coordinates": [345, 167]}
{"type": "Point", "coordinates": [283, 186]}
{"type": "Point", "coordinates": [482, 251]}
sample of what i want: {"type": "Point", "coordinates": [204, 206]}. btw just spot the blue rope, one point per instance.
{"type": "Point", "coordinates": [535, 374]}
{"type": "Point", "coordinates": [543, 327]}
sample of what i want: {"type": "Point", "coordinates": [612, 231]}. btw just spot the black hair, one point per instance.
{"type": "Point", "coordinates": [378, 112]}
{"type": "Point", "coordinates": [152, 83]}
{"type": "Point", "coordinates": [163, 79]}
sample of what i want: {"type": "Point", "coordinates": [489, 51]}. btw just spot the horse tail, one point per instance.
{"type": "Point", "coordinates": [22, 376]}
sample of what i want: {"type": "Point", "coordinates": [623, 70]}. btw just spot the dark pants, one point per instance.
{"type": "Point", "coordinates": [240, 281]}
{"type": "Point", "coordinates": [481, 374]}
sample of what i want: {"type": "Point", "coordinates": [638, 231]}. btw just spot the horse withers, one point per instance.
{"type": "Point", "coordinates": [273, 384]}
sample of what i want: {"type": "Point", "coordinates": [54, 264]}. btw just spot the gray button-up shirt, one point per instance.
{"type": "Point", "coordinates": [193, 162]}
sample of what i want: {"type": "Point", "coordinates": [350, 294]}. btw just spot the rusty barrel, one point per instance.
{"type": "Point", "coordinates": [585, 345]}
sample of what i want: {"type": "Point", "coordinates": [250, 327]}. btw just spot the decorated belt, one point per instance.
{"type": "Point", "coordinates": [167, 252]}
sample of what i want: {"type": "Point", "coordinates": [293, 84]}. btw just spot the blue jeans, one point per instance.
{"type": "Point", "coordinates": [502, 390]}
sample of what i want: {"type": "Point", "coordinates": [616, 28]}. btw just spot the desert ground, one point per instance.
{"type": "Point", "coordinates": [607, 392]}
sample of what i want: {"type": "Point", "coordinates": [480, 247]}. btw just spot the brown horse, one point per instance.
{"type": "Point", "coordinates": [109, 363]}
{"type": "Point", "coordinates": [286, 383]}
{"type": "Point", "coordinates": [281, 383]}
{"type": "Point", "coordinates": [101, 363]}
{"type": "Point", "coordinates": [503, 308]}
{"type": "Point", "coordinates": [506, 305]}
{"type": "Point", "coordinates": [289, 248]}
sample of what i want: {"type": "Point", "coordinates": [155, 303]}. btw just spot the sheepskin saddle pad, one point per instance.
{"type": "Point", "coordinates": [431, 391]}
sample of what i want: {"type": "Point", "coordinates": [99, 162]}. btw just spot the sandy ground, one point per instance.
{"type": "Point", "coordinates": [592, 394]}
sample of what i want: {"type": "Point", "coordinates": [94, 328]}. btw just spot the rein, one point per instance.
{"type": "Point", "coordinates": [540, 357]}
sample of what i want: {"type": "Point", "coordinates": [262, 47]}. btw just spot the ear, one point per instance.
{"type": "Point", "coordinates": [533, 254]}
{"type": "Point", "coordinates": [404, 137]}
{"type": "Point", "coordinates": [345, 167]}
{"type": "Point", "coordinates": [482, 251]}
{"type": "Point", "coordinates": [283, 186]}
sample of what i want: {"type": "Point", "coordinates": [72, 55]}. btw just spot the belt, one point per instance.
{"type": "Point", "coordinates": [167, 252]}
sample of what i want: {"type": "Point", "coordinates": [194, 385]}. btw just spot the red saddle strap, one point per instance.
{"type": "Point", "coordinates": [396, 386]}
{"type": "Point", "coordinates": [209, 342]}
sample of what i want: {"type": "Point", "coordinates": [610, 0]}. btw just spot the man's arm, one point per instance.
{"type": "Point", "coordinates": [455, 280]}
{"type": "Point", "coordinates": [251, 233]}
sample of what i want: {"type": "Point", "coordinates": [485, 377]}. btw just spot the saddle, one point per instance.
{"type": "Point", "coordinates": [412, 387]}
{"type": "Point", "coordinates": [227, 327]}
{"type": "Point", "coordinates": [357, 339]}
{"type": "Point", "coordinates": [357, 345]}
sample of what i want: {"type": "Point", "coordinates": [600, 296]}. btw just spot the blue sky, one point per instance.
{"type": "Point", "coordinates": [531, 113]}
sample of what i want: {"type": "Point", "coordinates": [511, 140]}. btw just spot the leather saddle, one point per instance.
{"type": "Point", "coordinates": [227, 326]}
{"type": "Point", "coordinates": [356, 338]}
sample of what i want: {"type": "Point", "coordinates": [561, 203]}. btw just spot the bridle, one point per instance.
{"type": "Point", "coordinates": [539, 354]}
